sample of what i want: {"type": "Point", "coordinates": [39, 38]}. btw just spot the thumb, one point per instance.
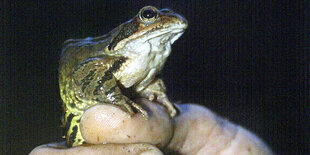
{"type": "Point", "coordinates": [108, 124]}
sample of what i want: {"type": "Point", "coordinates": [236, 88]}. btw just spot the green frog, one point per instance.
{"type": "Point", "coordinates": [118, 67]}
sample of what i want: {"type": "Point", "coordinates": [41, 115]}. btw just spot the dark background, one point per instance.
{"type": "Point", "coordinates": [247, 61]}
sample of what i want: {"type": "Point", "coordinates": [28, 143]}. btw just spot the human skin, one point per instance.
{"type": "Point", "coordinates": [196, 130]}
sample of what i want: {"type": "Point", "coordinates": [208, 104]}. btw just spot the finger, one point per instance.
{"type": "Point", "coordinates": [199, 131]}
{"type": "Point", "coordinates": [103, 124]}
{"type": "Point", "coordinates": [131, 149]}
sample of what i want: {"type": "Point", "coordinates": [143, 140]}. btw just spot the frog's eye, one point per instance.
{"type": "Point", "coordinates": [148, 14]}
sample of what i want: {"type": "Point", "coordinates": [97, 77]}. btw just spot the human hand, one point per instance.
{"type": "Point", "coordinates": [195, 131]}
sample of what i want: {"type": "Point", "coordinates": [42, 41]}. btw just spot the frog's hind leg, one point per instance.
{"type": "Point", "coordinates": [72, 130]}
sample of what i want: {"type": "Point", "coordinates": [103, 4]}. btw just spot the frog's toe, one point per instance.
{"type": "Point", "coordinates": [127, 108]}
{"type": "Point", "coordinates": [172, 112]}
{"type": "Point", "coordinates": [140, 109]}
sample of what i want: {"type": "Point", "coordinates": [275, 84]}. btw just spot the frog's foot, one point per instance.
{"type": "Point", "coordinates": [163, 99]}
{"type": "Point", "coordinates": [171, 108]}
{"type": "Point", "coordinates": [160, 97]}
{"type": "Point", "coordinates": [127, 105]}
{"type": "Point", "coordinates": [140, 109]}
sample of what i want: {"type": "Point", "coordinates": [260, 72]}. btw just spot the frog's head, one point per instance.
{"type": "Point", "coordinates": [159, 28]}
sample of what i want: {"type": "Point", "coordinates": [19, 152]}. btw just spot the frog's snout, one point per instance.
{"type": "Point", "coordinates": [180, 24]}
{"type": "Point", "coordinates": [184, 22]}
{"type": "Point", "coordinates": [178, 20]}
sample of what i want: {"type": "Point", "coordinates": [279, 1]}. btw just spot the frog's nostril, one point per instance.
{"type": "Point", "coordinates": [182, 21]}
{"type": "Point", "coordinates": [185, 21]}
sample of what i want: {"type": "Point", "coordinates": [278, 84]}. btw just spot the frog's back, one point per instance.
{"type": "Point", "coordinates": [93, 44]}
{"type": "Point", "coordinates": [88, 45]}
{"type": "Point", "coordinates": [75, 51]}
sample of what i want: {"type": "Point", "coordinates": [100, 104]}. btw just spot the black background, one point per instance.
{"type": "Point", "coordinates": [248, 61]}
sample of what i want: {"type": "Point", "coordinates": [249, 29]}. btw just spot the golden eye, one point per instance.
{"type": "Point", "coordinates": [148, 14]}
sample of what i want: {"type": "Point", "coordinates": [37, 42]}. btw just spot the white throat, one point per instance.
{"type": "Point", "coordinates": [145, 59]}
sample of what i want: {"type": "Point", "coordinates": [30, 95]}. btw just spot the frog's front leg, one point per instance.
{"type": "Point", "coordinates": [93, 82]}
{"type": "Point", "coordinates": [156, 91]}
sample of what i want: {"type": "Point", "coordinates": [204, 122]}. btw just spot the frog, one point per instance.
{"type": "Point", "coordinates": [117, 67]}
